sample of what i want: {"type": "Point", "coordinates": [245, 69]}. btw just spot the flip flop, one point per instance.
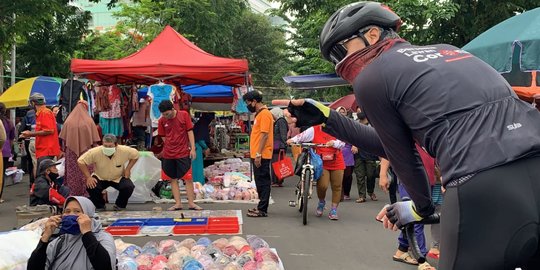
{"type": "Point", "coordinates": [405, 258]}
{"type": "Point", "coordinates": [198, 208]}
{"type": "Point", "coordinates": [174, 208]}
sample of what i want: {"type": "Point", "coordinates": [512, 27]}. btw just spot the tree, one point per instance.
{"type": "Point", "coordinates": [48, 49]}
{"type": "Point", "coordinates": [225, 28]}
{"type": "Point", "coordinates": [18, 17]}
{"type": "Point", "coordinates": [424, 22]}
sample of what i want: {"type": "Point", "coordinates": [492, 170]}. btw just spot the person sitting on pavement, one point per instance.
{"type": "Point", "coordinates": [109, 171]}
{"type": "Point", "coordinates": [45, 189]}
{"type": "Point", "coordinates": [81, 244]}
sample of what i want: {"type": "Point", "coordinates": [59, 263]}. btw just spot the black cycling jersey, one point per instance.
{"type": "Point", "coordinates": [454, 105]}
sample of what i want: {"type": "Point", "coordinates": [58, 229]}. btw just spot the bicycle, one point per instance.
{"type": "Point", "coordinates": [304, 188]}
{"type": "Point", "coordinates": [408, 231]}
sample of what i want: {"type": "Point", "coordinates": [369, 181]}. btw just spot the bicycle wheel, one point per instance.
{"type": "Point", "coordinates": [305, 195]}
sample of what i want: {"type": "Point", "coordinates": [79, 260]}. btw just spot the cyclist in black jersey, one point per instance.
{"type": "Point", "coordinates": [486, 140]}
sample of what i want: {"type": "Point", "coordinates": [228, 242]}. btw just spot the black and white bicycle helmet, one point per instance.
{"type": "Point", "coordinates": [348, 21]}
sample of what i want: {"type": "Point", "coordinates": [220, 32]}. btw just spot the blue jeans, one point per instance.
{"type": "Point", "coordinates": [418, 230]}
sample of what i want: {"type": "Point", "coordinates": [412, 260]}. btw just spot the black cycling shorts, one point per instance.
{"type": "Point", "coordinates": [176, 168]}
{"type": "Point", "coordinates": [492, 220]}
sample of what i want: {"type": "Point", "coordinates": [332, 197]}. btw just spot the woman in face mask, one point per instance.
{"type": "Point", "coordinates": [81, 244]}
{"type": "Point", "coordinates": [46, 189]}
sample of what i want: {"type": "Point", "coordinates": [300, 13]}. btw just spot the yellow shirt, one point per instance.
{"type": "Point", "coordinates": [109, 168]}
{"type": "Point", "coordinates": [264, 122]}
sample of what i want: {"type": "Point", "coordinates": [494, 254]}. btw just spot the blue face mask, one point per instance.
{"type": "Point", "coordinates": [69, 225]}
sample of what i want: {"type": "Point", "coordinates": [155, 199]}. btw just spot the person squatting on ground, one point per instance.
{"type": "Point", "coordinates": [333, 166]}
{"type": "Point", "coordinates": [109, 171]}
{"type": "Point", "coordinates": [261, 142]}
{"type": "Point", "coordinates": [46, 189]}
{"type": "Point", "coordinates": [74, 240]}
{"type": "Point", "coordinates": [458, 108]}
{"type": "Point", "coordinates": [176, 130]}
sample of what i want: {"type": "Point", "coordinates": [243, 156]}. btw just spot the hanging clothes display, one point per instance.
{"type": "Point", "coordinates": [157, 93]}
{"type": "Point", "coordinates": [91, 95]}
{"type": "Point", "coordinates": [239, 105]}
{"type": "Point", "coordinates": [102, 99]}
{"type": "Point", "coordinates": [134, 98]}
{"type": "Point", "coordinates": [182, 100]}
{"type": "Point", "coordinates": [70, 93]}
{"type": "Point", "coordinates": [111, 120]}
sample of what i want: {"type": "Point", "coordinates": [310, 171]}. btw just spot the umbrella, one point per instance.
{"type": "Point", "coordinates": [348, 101]}
{"type": "Point", "coordinates": [18, 94]}
{"type": "Point", "coordinates": [512, 47]}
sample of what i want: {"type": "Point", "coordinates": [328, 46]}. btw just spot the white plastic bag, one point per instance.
{"type": "Point", "coordinates": [61, 167]}
{"type": "Point", "coordinates": [144, 174]}
{"type": "Point", "coordinates": [21, 244]}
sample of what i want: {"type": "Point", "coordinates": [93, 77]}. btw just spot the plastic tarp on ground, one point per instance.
{"type": "Point", "coordinates": [169, 57]}
{"type": "Point", "coordinates": [315, 81]}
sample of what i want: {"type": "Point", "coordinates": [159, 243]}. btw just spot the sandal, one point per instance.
{"type": "Point", "coordinates": [257, 214]}
{"type": "Point", "coordinates": [196, 208]}
{"type": "Point", "coordinates": [373, 197]}
{"type": "Point", "coordinates": [175, 208]}
{"type": "Point", "coordinates": [405, 258]}
{"type": "Point", "coordinates": [425, 266]}
{"type": "Point", "coordinates": [253, 210]}
{"type": "Point", "coordinates": [361, 200]}
{"type": "Point", "coordinates": [277, 185]}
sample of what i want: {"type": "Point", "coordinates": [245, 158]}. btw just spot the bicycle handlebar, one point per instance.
{"type": "Point", "coordinates": [408, 231]}
{"type": "Point", "coordinates": [310, 144]}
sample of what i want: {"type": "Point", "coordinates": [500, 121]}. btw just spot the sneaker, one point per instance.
{"type": "Point", "coordinates": [118, 208]}
{"type": "Point", "coordinates": [320, 209]}
{"type": "Point", "coordinates": [346, 198]}
{"type": "Point", "coordinates": [333, 214]}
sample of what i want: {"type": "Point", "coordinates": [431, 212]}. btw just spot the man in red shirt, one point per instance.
{"type": "Point", "coordinates": [46, 133]}
{"type": "Point", "coordinates": [176, 130]}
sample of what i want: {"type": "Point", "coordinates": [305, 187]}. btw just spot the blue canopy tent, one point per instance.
{"type": "Point", "coordinates": [205, 97]}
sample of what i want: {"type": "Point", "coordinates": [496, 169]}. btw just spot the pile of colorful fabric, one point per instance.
{"type": "Point", "coordinates": [235, 253]}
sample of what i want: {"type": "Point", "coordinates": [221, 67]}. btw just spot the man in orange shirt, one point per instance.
{"type": "Point", "coordinates": [46, 133]}
{"type": "Point", "coordinates": [260, 148]}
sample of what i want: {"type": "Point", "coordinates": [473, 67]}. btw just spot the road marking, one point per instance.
{"type": "Point", "coordinates": [301, 254]}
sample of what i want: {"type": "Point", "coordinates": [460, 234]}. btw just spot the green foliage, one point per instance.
{"type": "Point", "coordinates": [225, 28]}
{"type": "Point", "coordinates": [48, 49]}
{"type": "Point", "coordinates": [424, 22]}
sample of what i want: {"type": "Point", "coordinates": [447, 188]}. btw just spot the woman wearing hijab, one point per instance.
{"type": "Point", "coordinates": [82, 243]}
{"type": "Point", "coordinates": [202, 137]}
{"type": "Point", "coordinates": [79, 134]}
{"type": "Point", "coordinates": [281, 130]}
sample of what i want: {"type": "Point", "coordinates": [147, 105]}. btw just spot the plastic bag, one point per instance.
{"type": "Point", "coordinates": [256, 242]}
{"type": "Point", "coordinates": [16, 254]}
{"type": "Point", "coordinates": [61, 167]}
{"type": "Point", "coordinates": [317, 163]}
{"type": "Point", "coordinates": [145, 174]}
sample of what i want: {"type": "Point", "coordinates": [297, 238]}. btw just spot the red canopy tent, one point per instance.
{"type": "Point", "coordinates": [169, 57]}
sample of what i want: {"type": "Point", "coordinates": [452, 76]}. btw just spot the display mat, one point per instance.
{"type": "Point", "coordinates": [173, 223]}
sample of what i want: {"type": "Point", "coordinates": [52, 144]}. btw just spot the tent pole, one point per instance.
{"type": "Point", "coordinates": [70, 91]}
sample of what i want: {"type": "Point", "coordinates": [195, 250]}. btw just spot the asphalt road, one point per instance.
{"type": "Point", "coordinates": [355, 241]}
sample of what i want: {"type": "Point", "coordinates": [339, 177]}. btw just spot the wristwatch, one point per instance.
{"type": "Point", "coordinates": [258, 155]}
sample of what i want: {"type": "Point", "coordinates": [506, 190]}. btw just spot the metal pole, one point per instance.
{"type": "Point", "coordinates": [12, 113]}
